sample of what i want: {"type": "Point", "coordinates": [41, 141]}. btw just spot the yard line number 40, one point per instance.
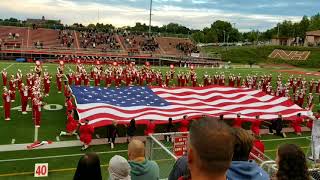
{"type": "Point", "coordinates": [48, 107]}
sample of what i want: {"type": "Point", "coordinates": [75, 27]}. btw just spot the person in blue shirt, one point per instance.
{"type": "Point", "coordinates": [241, 167]}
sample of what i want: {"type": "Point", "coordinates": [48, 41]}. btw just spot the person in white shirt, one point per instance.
{"type": "Point", "coordinates": [315, 135]}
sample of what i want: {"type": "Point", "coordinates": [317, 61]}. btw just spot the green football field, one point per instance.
{"type": "Point", "coordinates": [62, 161]}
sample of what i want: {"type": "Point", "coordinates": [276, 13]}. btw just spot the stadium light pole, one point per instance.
{"type": "Point", "coordinates": [150, 18]}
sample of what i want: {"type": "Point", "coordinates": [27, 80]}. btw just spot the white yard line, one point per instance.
{"type": "Point", "coordinates": [35, 66]}
{"type": "Point", "coordinates": [59, 156]}
{"type": "Point", "coordinates": [63, 144]}
{"type": "Point", "coordinates": [283, 139]}
{"type": "Point", "coordinates": [8, 67]}
{"type": "Point", "coordinates": [70, 69]}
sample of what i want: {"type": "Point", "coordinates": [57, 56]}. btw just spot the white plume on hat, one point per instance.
{"type": "Point", "coordinates": [119, 168]}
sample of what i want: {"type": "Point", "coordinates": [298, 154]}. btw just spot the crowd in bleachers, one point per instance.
{"type": "Point", "coordinates": [187, 48]}
{"type": "Point", "coordinates": [215, 151]}
{"type": "Point", "coordinates": [38, 44]}
{"type": "Point", "coordinates": [93, 39]}
{"type": "Point", "coordinates": [149, 44]}
{"type": "Point", "coordinates": [139, 41]}
{"type": "Point", "coordinates": [66, 38]}
{"type": "Point", "coordinates": [13, 36]}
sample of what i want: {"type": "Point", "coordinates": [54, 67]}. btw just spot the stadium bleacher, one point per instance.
{"type": "Point", "coordinates": [98, 41]}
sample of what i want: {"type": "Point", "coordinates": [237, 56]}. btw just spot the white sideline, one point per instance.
{"type": "Point", "coordinates": [59, 156]}
{"type": "Point", "coordinates": [283, 139]}
{"type": "Point", "coordinates": [62, 144]}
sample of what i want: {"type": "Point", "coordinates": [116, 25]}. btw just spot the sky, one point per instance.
{"type": "Point", "coordinates": [196, 14]}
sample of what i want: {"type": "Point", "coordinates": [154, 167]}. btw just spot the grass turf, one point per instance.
{"type": "Point", "coordinates": [259, 54]}
{"type": "Point", "coordinates": [21, 129]}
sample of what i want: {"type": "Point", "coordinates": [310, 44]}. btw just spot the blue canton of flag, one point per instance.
{"type": "Point", "coordinates": [122, 97]}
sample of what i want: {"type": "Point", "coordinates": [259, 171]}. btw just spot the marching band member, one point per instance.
{"type": "Point", "coordinates": [4, 77]}
{"type": "Point", "coordinates": [24, 98]}
{"type": "Point", "coordinates": [59, 82]}
{"type": "Point", "coordinates": [12, 88]}
{"type": "Point", "coordinates": [6, 103]}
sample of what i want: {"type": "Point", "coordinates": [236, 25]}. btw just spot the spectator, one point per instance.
{"type": "Point", "coordinates": [131, 129]}
{"type": "Point", "coordinates": [180, 169]}
{"type": "Point", "coordinates": [119, 168]}
{"type": "Point", "coordinates": [88, 168]}
{"type": "Point", "coordinates": [141, 168]}
{"type": "Point", "coordinates": [210, 149]}
{"type": "Point", "coordinates": [291, 162]}
{"type": "Point", "coordinates": [241, 167]}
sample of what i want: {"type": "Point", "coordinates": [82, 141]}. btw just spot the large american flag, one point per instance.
{"type": "Point", "coordinates": [102, 105]}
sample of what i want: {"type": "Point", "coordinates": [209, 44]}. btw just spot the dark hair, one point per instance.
{"type": "Point", "coordinates": [170, 120]}
{"type": "Point", "coordinates": [243, 145]}
{"type": "Point", "coordinates": [213, 142]}
{"type": "Point", "coordinates": [88, 167]}
{"type": "Point", "coordinates": [299, 114]}
{"type": "Point", "coordinates": [133, 122]}
{"type": "Point", "coordinates": [221, 116]}
{"type": "Point", "coordinates": [292, 163]}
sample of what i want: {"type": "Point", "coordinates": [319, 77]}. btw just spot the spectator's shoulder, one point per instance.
{"type": "Point", "coordinates": [154, 164]}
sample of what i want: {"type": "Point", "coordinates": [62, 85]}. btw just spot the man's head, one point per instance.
{"type": "Point", "coordinates": [135, 149]}
{"type": "Point", "coordinates": [243, 145]}
{"type": "Point", "coordinates": [210, 149]}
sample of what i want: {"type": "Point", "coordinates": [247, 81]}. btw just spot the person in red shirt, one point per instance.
{"type": "Point", "coordinates": [72, 125]}
{"type": "Point", "coordinates": [184, 124]}
{"type": "Point", "coordinates": [151, 127]}
{"type": "Point", "coordinates": [59, 82]}
{"type": "Point", "coordinates": [6, 103]}
{"type": "Point", "coordinates": [37, 111]}
{"type": "Point", "coordinates": [86, 132]}
{"type": "Point", "coordinates": [257, 149]}
{"type": "Point", "coordinates": [296, 124]}
{"type": "Point", "coordinates": [237, 123]}
{"type": "Point", "coordinates": [96, 80]}
{"type": "Point", "coordinates": [255, 126]}
{"type": "Point", "coordinates": [86, 80]}
{"type": "Point", "coordinates": [46, 82]}
{"type": "Point", "coordinates": [4, 77]}
{"type": "Point", "coordinates": [24, 98]}
{"type": "Point", "coordinates": [70, 78]}
{"type": "Point", "coordinates": [12, 88]}
{"type": "Point", "coordinates": [69, 104]}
